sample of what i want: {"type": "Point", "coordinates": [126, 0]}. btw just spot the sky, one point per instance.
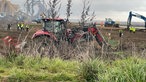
{"type": "Point", "coordinates": [118, 10]}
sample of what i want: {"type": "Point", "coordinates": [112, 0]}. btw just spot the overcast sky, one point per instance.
{"type": "Point", "coordinates": [116, 9]}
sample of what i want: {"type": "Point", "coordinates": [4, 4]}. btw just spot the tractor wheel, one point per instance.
{"type": "Point", "coordinates": [44, 46]}
{"type": "Point", "coordinates": [84, 47]}
{"type": "Point", "coordinates": [82, 43]}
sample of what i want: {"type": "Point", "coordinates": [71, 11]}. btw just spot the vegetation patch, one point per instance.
{"type": "Point", "coordinates": [132, 69]}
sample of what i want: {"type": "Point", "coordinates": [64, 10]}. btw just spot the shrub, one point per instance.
{"type": "Point", "coordinates": [89, 70]}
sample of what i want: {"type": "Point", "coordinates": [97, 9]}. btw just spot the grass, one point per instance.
{"type": "Point", "coordinates": [35, 69]}
{"type": "Point", "coordinates": [126, 70]}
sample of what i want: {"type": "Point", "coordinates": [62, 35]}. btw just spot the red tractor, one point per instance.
{"type": "Point", "coordinates": [54, 31]}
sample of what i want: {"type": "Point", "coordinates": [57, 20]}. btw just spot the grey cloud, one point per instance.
{"type": "Point", "coordinates": [118, 5]}
{"type": "Point", "coordinates": [116, 9]}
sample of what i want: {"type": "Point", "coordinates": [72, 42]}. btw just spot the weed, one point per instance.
{"type": "Point", "coordinates": [89, 71]}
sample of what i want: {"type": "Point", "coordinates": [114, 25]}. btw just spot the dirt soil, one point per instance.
{"type": "Point", "coordinates": [128, 40]}
{"type": "Point", "coordinates": [138, 38]}
{"type": "Point", "coordinates": [18, 36]}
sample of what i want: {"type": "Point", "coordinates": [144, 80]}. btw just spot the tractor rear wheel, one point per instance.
{"type": "Point", "coordinates": [44, 46]}
{"type": "Point", "coordinates": [83, 47]}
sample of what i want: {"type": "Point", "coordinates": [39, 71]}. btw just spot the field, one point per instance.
{"type": "Point", "coordinates": [125, 62]}
{"type": "Point", "coordinates": [126, 42]}
{"type": "Point", "coordinates": [18, 35]}
{"type": "Point", "coordinates": [138, 38]}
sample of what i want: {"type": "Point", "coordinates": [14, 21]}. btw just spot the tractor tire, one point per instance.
{"type": "Point", "coordinates": [44, 46]}
{"type": "Point", "coordinates": [82, 42]}
{"type": "Point", "coordinates": [84, 47]}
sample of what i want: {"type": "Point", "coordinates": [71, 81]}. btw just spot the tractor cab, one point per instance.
{"type": "Point", "coordinates": [53, 28]}
{"type": "Point", "coordinates": [53, 25]}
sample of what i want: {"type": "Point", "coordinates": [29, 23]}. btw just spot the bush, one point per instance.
{"type": "Point", "coordinates": [89, 70]}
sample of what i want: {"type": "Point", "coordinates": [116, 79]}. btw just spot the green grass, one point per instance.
{"type": "Point", "coordinates": [112, 42]}
{"type": "Point", "coordinates": [34, 69]}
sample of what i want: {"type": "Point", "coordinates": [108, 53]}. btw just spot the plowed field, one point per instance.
{"type": "Point", "coordinates": [138, 38]}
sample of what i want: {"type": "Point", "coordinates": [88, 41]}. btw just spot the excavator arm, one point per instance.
{"type": "Point", "coordinates": [135, 15]}
{"type": "Point", "coordinates": [98, 36]}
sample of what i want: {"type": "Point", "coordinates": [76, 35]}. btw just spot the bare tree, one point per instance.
{"type": "Point", "coordinates": [92, 16]}
{"type": "Point", "coordinates": [85, 16]}
{"type": "Point", "coordinates": [53, 12]}
{"type": "Point", "coordinates": [54, 8]}
{"type": "Point", "coordinates": [68, 10]}
{"type": "Point", "coordinates": [85, 12]}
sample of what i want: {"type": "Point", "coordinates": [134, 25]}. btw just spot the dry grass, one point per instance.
{"type": "Point", "coordinates": [79, 51]}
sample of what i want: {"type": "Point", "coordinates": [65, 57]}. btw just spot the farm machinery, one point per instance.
{"type": "Point", "coordinates": [55, 31]}
{"type": "Point", "coordinates": [110, 23]}
{"type": "Point", "coordinates": [133, 14]}
{"type": "Point", "coordinates": [56, 37]}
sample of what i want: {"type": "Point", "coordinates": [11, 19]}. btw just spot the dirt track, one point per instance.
{"type": "Point", "coordinates": [138, 38]}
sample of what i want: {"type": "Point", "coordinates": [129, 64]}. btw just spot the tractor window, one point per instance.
{"type": "Point", "coordinates": [50, 24]}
